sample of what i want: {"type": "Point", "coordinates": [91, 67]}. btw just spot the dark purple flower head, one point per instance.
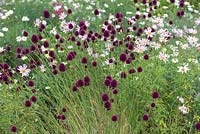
{"type": "Point", "coordinates": [73, 38]}
{"type": "Point", "coordinates": [80, 83]}
{"type": "Point", "coordinates": [33, 91]}
{"type": "Point", "coordinates": [106, 34]}
{"type": "Point", "coordinates": [107, 105]}
{"type": "Point", "coordinates": [139, 69]}
{"type": "Point", "coordinates": [155, 95]}
{"type": "Point", "coordinates": [172, 1]}
{"type": "Point", "coordinates": [46, 44]}
{"type": "Point", "coordinates": [113, 83]}
{"type": "Point", "coordinates": [123, 75]}
{"type": "Point", "coordinates": [154, 2]}
{"type": "Point", "coordinates": [32, 66]}
{"type": "Point", "coordinates": [84, 60]}
{"type": "Point", "coordinates": [114, 118]}
{"type": "Point", "coordinates": [178, 14]}
{"type": "Point", "coordinates": [58, 117]}
{"type": "Point", "coordinates": [128, 61]}
{"type": "Point", "coordinates": [111, 100]}
{"type": "Point", "coordinates": [26, 51]}
{"type": "Point", "coordinates": [63, 117]}
{"type": "Point", "coordinates": [146, 56]}
{"type": "Point", "coordinates": [57, 36]}
{"type": "Point", "coordinates": [78, 43]}
{"type": "Point", "coordinates": [96, 12]}
{"type": "Point", "coordinates": [62, 67]}
{"type": "Point", "coordinates": [32, 47]}
{"type": "Point", "coordinates": [107, 82]}
{"type": "Point", "coordinates": [74, 88]}
{"type": "Point", "coordinates": [19, 50]}
{"type": "Point", "coordinates": [197, 125]}
{"type": "Point", "coordinates": [149, 15]}
{"type": "Point", "coordinates": [86, 79]}
{"type": "Point", "coordinates": [170, 22]}
{"type": "Point", "coordinates": [31, 83]}
{"type": "Point", "coordinates": [140, 30]}
{"type": "Point", "coordinates": [51, 53]}
{"type": "Point", "coordinates": [182, 13]}
{"type": "Point", "coordinates": [70, 57]}
{"type": "Point", "coordinates": [122, 57]}
{"type": "Point", "coordinates": [130, 47]}
{"type": "Point", "coordinates": [119, 20]}
{"type": "Point", "coordinates": [19, 56]}
{"type": "Point", "coordinates": [115, 91]}
{"type": "Point", "coordinates": [137, 16]}
{"type": "Point", "coordinates": [70, 26]}
{"type": "Point", "coordinates": [64, 109]}
{"type": "Point", "coordinates": [94, 63]}
{"type": "Point", "coordinates": [5, 66]}
{"type": "Point", "coordinates": [27, 103]}
{"type": "Point", "coordinates": [145, 117]}
{"type": "Point", "coordinates": [109, 77]}
{"type": "Point", "coordinates": [144, 1]}
{"type": "Point", "coordinates": [46, 14]}
{"type": "Point", "coordinates": [25, 33]}
{"type": "Point", "coordinates": [33, 98]}
{"type": "Point", "coordinates": [82, 32]}
{"type": "Point", "coordinates": [31, 61]}
{"type": "Point", "coordinates": [131, 71]}
{"type": "Point", "coordinates": [42, 26]}
{"type": "Point", "coordinates": [55, 72]}
{"type": "Point", "coordinates": [118, 15]}
{"type": "Point", "coordinates": [182, 4]}
{"type": "Point", "coordinates": [8, 48]}
{"type": "Point", "coordinates": [105, 97]}
{"type": "Point", "coordinates": [110, 60]}
{"type": "Point", "coordinates": [53, 66]}
{"type": "Point", "coordinates": [5, 78]}
{"type": "Point", "coordinates": [62, 40]}
{"type": "Point", "coordinates": [135, 1]}
{"type": "Point", "coordinates": [34, 38]}
{"type": "Point", "coordinates": [69, 11]}
{"type": "Point", "coordinates": [153, 104]}
{"type": "Point", "coordinates": [13, 129]}
{"type": "Point", "coordinates": [134, 28]}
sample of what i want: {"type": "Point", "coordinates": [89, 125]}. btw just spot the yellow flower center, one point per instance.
{"type": "Point", "coordinates": [23, 71]}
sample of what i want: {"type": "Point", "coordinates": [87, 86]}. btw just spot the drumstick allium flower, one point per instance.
{"type": "Point", "coordinates": [13, 129]}
{"type": "Point", "coordinates": [197, 125]}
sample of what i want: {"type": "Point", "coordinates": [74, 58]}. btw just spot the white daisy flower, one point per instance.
{"type": "Point", "coordinates": [183, 69]}
{"type": "Point", "coordinates": [53, 31]}
{"type": "Point", "coordinates": [140, 48]}
{"type": "Point", "coordinates": [181, 99]}
{"type": "Point", "coordinates": [18, 38]}
{"type": "Point", "coordinates": [1, 34]}
{"type": "Point", "coordinates": [37, 22]}
{"type": "Point", "coordinates": [25, 18]}
{"type": "Point", "coordinates": [2, 50]}
{"type": "Point", "coordinates": [42, 68]}
{"type": "Point", "coordinates": [4, 29]}
{"type": "Point", "coordinates": [183, 109]}
{"type": "Point", "coordinates": [23, 38]}
{"type": "Point", "coordinates": [62, 16]}
{"type": "Point", "coordinates": [23, 70]}
{"type": "Point", "coordinates": [149, 32]}
{"type": "Point", "coordinates": [175, 60]}
{"type": "Point", "coordinates": [163, 56]}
